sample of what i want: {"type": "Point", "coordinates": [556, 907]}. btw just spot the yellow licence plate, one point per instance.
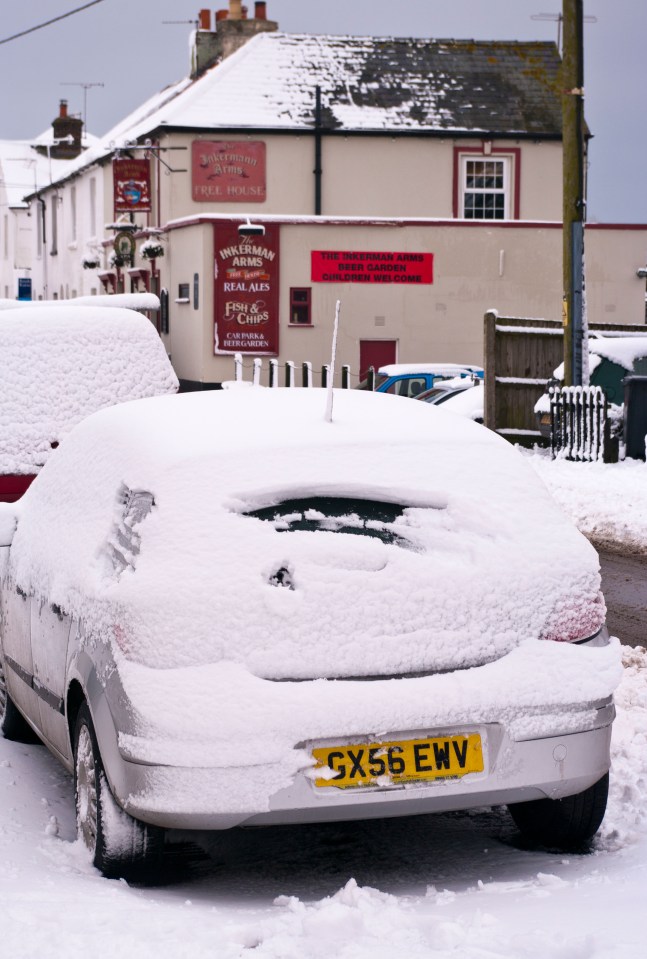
{"type": "Point", "coordinates": [401, 761]}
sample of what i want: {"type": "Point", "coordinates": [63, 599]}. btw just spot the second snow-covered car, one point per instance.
{"type": "Point", "coordinates": [224, 609]}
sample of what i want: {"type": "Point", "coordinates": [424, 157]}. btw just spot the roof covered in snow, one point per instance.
{"type": "Point", "coordinates": [395, 85]}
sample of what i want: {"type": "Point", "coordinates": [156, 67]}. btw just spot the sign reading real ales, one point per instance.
{"type": "Point", "coordinates": [247, 291]}
{"type": "Point", "coordinates": [356, 266]}
{"type": "Point", "coordinates": [228, 171]}
{"type": "Point", "coordinates": [132, 185]}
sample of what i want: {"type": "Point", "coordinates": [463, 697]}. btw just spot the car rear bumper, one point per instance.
{"type": "Point", "coordinates": [514, 771]}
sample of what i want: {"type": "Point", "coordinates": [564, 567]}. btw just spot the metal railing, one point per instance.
{"type": "Point", "coordinates": [580, 427]}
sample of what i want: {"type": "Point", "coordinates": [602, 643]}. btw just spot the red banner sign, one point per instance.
{"type": "Point", "coordinates": [333, 266]}
{"type": "Point", "coordinates": [132, 185]}
{"type": "Point", "coordinates": [247, 291]}
{"type": "Point", "coordinates": [228, 171]}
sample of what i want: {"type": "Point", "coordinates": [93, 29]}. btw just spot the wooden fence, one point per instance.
{"type": "Point", "coordinates": [520, 357]}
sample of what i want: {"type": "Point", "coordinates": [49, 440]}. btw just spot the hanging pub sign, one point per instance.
{"type": "Point", "coordinates": [132, 185]}
{"type": "Point", "coordinates": [246, 291]}
{"type": "Point", "coordinates": [357, 266]}
{"type": "Point", "coordinates": [228, 171]}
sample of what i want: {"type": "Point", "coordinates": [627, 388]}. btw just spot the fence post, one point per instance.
{"type": "Point", "coordinates": [274, 372]}
{"type": "Point", "coordinates": [325, 370]}
{"type": "Point", "coordinates": [289, 373]}
{"type": "Point", "coordinates": [489, 366]}
{"type": "Point", "coordinates": [345, 377]}
{"type": "Point", "coordinates": [238, 367]}
{"type": "Point", "coordinates": [258, 366]}
{"type": "Point", "coordinates": [370, 378]}
{"type": "Point", "coordinates": [306, 374]}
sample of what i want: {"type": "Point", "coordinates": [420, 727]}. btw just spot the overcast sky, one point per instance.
{"type": "Point", "coordinates": [125, 45]}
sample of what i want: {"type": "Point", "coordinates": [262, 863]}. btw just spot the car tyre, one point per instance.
{"type": "Point", "coordinates": [563, 823]}
{"type": "Point", "coordinates": [13, 724]}
{"type": "Point", "coordinates": [121, 847]}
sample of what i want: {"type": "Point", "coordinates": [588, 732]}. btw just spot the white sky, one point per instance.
{"type": "Point", "coordinates": [125, 45]}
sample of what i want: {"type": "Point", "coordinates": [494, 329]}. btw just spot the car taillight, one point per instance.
{"type": "Point", "coordinates": [121, 637]}
{"type": "Point", "coordinates": [581, 624]}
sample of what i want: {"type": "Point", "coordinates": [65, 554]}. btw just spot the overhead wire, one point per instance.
{"type": "Point", "coordinates": [47, 23]}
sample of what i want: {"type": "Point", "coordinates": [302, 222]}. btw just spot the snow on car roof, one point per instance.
{"type": "Point", "coordinates": [406, 369]}
{"type": "Point", "coordinates": [59, 365]}
{"type": "Point", "coordinates": [477, 524]}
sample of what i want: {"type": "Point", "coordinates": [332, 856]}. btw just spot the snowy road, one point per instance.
{"type": "Point", "coordinates": [624, 584]}
{"type": "Point", "coordinates": [432, 887]}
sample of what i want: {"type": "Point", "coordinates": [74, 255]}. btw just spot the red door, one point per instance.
{"type": "Point", "coordinates": [376, 353]}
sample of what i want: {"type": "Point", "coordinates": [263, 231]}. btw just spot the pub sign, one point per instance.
{"type": "Point", "coordinates": [132, 185]}
{"type": "Point", "coordinates": [228, 171]}
{"type": "Point", "coordinates": [246, 291]}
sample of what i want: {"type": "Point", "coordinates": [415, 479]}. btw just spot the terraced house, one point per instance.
{"type": "Point", "coordinates": [417, 181]}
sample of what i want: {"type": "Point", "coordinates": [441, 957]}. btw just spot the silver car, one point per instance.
{"type": "Point", "coordinates": [224, 609]}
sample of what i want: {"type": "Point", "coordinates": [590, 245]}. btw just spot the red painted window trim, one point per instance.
{"type": "Point", "coordinates": [514, 152]}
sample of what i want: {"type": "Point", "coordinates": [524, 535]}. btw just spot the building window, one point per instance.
{"type": "Point", "coordinates": [300, 306]}
{"type": "Point", "coordinates": [486, 184]}
{"type": "Point", "coordinates": [73, 212]}
{"type": "Point", "coordinates": [93, 207]}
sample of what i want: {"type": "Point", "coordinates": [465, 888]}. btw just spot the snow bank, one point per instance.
{"type": "Point", "coordinates": [607, 501]}
{"type": "Point", "coordinates": [60, 365]}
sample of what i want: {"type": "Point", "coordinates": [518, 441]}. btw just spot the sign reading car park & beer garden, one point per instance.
{"type": "Point", "coordinates": [346, 266]}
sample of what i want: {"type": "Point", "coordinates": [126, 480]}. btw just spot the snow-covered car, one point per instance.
{"type": "Point", "coordinates": [228, 608]}
{"type": "Point", "coordinates": [462, 395]}
{"type": "Point", "coordinates": [63, 361]}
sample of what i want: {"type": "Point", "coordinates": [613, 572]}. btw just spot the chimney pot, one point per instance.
{"type": "Point", "coordinates": [62, 110]}
{"type": "Point", "coordinates": [260, 11]}
{"type": "Point", "coordinates": [205, 19]}
{"type": "Point", "coordinates": [235, 10]}
{"type": "Point", "coordinates": [222, 15]}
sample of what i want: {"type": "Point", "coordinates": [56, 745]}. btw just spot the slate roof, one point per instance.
{"type": "Point", "coordinates": [368, 84]}
{"type": "Point", "coordinates": [380, 84]}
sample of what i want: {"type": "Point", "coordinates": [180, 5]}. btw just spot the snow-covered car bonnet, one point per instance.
{"type": "Point", "coordinates": [240, 525]}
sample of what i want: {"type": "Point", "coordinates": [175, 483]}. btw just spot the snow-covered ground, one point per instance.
{"type": "Point", "coordinates": [454, 885]}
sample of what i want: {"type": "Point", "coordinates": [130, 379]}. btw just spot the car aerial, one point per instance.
{"type": "Point", "coordinates": [411, 379]}
{"type": "Point", "coordinates": [62, 361]}
{"type": "Point", "coordinates": [231, 609]}
{"type": "Point", "coordinates": [611, 359]}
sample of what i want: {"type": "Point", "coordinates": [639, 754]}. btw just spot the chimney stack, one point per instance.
{"type": "Point", "coordinates": [233, 28]}
{"type": "Point", "coordinates": [67, 131]}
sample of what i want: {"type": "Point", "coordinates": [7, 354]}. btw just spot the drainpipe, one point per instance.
{"type": "Point", "coordinates": [317, 169]}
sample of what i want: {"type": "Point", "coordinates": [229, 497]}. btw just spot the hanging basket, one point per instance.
{"type": "Point", "coordinates": [151, 250]}
{"type": "Point", "coordinates": [90, 263]}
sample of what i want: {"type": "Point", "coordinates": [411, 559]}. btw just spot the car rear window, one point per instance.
{"type": "Point", "coordinates": [336, 514]}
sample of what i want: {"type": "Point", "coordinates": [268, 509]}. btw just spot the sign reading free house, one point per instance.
{"type": "Point", "coordinates": [246, 291]}
{"type": "Point", "coordinates": [228, 171]}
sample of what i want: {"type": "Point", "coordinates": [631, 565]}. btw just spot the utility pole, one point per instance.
{"type": "Point", "coordinates": [574, 199]}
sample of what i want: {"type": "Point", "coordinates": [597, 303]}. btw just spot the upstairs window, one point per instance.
{"type": "Point", "coordinates": [486, 184]}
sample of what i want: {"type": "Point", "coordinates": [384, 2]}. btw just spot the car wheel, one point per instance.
{"type": "Point", "coordinates": [563, 823]}
{"type": "Point", "coordinates": [13, 725]}
{"type": "Point", "coordinates": [121, 847]}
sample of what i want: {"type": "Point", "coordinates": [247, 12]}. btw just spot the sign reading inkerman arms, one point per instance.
{"type": "Point", "coordinates": [228, 171]}
{"type": "Point", "coordinates": [246, 291]}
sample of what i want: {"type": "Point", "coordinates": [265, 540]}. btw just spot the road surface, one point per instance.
{"type": "Point", "coordinates": [624, 583]}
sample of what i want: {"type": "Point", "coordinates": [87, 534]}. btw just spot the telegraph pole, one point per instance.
{"type": "Point", "coordinates": [574, 199]}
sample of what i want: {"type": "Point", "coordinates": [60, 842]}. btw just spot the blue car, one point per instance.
{"type": "Point", "coordinates": [411, 379]}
